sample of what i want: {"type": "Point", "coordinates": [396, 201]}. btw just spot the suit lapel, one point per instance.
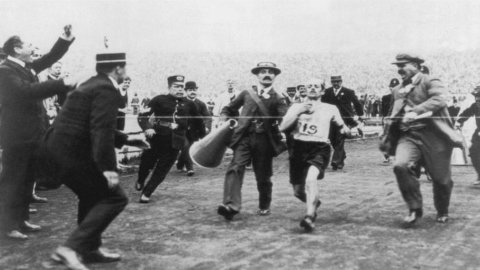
{"type": "Point", "coordinates": [26, 73]}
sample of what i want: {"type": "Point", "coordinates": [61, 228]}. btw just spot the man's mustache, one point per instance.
{"type": "Point", "coordinates": [267, 78]}
{"type": "Point", "coordinates": [402, 72]}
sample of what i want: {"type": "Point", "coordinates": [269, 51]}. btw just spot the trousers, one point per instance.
{"type": "Point", "coordinates": [337, 140]}
{"type": "Point", "coordinates": [160, 157]}
{"type": "Point", "coordinates": [475, 152]}
{"type": "Point", "coordinates": [255, 148]}
{"type": "Point", "coordinates": [433, 152]}
{"type": "Point", "coordinates": [184, 160]}
{"type": "Point", "coordinates": [16, 184]}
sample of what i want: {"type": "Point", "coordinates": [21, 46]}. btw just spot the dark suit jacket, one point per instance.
{"type": "Point", "coordinates": [387, 102]}
{"type": "Point", "coordinates": [85, 130]}
{"type": "Point", "coordinates": [21, 95]}
{"type": "Point", "coordinates": [276, 106]}
{"type": "Point", "coordinates": [344, 101]}
{"type": "Point", "coordinates": [428, 95]}
{"type": "Point", "coordinates": [196, 132]}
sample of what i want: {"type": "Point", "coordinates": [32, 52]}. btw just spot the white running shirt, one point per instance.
{"type": "Point", "coordinates": [315, 127]}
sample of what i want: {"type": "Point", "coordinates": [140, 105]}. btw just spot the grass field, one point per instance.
{"type": "Point", "coordinates": [359, 224]}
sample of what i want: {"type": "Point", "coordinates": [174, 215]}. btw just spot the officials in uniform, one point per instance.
{"type": "Point", "coordinates": [194, 132]}
{"type": "Point", "coordinates": [425, 134]}
{"type": "Point", "coordinates": [22, 126]}
{"type": "Point", "coordinates": [255, 140]}
{"type": "Point", "coordinates": [473, 111]}
{"type": "Point", "coordinates": [347, 103]}
{"type": "Point", "coordinates": [82, 143]}
{"type": "Point", "coordinates": [166, 131]}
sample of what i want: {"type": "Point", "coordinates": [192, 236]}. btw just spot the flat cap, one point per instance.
{"type": "Point", "coordinates": [407, 58]}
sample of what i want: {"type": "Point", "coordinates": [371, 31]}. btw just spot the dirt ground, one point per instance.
{"type": "Point", "coordinates": [359, 224]}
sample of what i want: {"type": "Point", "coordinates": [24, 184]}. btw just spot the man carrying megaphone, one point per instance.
{"type": "Point", "coordinates": [256, 139]}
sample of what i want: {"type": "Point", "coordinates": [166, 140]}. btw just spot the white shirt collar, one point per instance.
{"type": "Point", "coordinates": [115, 84]}
{"type": "Point", "coordinates": [265, 89]}
{"type": "Point", "coordinates": [16, 60]}
{"type": "Point", "coordinates": [336, 91]}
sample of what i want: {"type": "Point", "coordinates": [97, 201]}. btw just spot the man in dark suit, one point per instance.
{"type": "Point", "coordinates": [122, 110]}
{"type": "Point", "coordinates": [254, 140]}
{"type": "Point", "coordinates": [426, 135]}
{"type": "Point", "coordinates": [194, 132]}
{"type": "Point", "coordinates": [82, 142]}
{"type": "Point", "coordinates": [347, 103]}
{"type": "Point", "coordinates": [166, 133]}
{"type": "Point", "coordinates": [22, 126]}
{"type": "Point", "coordinates": [473, 111]}
{"type": "Point", "coordinates": [387, 100]}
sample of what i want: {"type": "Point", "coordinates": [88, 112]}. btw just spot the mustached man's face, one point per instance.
{"type": "Point", "coordinates": [336, 84]}
{"type": "Point", "coordinates": [191, 93]}
{"type": "Point", "coordinates": [266, 77]}
{"type": "Point", "coordinates": [314, 90]}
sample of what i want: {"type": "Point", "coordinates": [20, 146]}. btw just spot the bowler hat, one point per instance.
{"type": "Point", "coordinates": [404, 58]}
{"type": "Point", "coordinates": [394, 82]}
{"type": "Point", "coordinates": [190, 85]}
{"type": "Point", "coordinates": [267, 65]}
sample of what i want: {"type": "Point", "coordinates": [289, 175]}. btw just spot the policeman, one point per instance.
{"type": "Point", "coordinates": [166, 131]}
{"type": "Point", "coordinates": [473, 110]}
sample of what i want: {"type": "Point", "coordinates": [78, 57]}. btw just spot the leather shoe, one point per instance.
{"type": "Point", "coordinates": [190, 173]}
{"type": "Point", "coordinates": [144, 199]}
{"type": "Point", "coordinates": [226, 212]}
{"type": "Point", "coordinates": [17, 235]}
{"type": "Point", "coordinates": [442, 219]}
{"type": "Point", "coordinates": [307, 223]}
{"type": "Point", "coordinates": [29, 227]}
{"type": "Point", "coordinates": [413, 216]}
{"type": "Point", "coordinates": [101, 256]}
{"type": "Point", "coordinates": [69, 258]}
{"type": "Point", "coordinates": [38, 199]}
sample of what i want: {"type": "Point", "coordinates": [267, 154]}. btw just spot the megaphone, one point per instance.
{"type": "Point", "coordinates": [209, 151]}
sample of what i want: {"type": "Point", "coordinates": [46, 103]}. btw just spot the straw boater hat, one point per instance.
{"type": "Point", "coordinates": [268, 65]}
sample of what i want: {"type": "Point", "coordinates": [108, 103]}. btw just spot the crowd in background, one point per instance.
{"type": "Point", "coordinates": [368, 74]}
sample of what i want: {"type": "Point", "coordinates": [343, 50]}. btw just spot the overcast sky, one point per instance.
{"type": "Point", "coordinates": [249, 25]}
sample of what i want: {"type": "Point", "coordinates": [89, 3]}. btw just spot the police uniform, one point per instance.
{"type": "Point", "coordinates": [168, 111]}
{"type": "Point", "coordinates": [473, 110]}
